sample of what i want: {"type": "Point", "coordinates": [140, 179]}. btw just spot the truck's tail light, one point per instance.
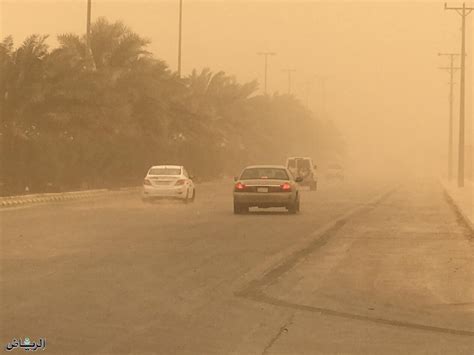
{"type": "Point", "coordinates": [285, 187]}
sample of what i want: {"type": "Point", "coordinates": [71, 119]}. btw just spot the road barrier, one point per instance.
{"type": "Point", "coordinates": [12, 201]}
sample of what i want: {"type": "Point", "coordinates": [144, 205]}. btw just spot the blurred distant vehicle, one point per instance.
{"type": "Point", "coordinates": [168, 181]}
{"type": "Point", "coordinates": [303, 167]}
{"type": "Point", "coordinates": [266, 186]}
{"type": "Point", "coordinates": [335, 171]}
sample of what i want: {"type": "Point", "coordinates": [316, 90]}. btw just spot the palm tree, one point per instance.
{"type": "Point", "coordinates": [25, 69]}
{"type": "Point", "coordinates": [115, 45]}
{"type": "Point", "coordinates": [210, 92]}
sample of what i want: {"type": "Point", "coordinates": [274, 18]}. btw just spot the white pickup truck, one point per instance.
{"type": "Point", "coordinates": [303, 167]}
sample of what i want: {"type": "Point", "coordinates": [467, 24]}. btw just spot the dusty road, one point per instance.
{"type": "Point", "coordinates": [366, 268]}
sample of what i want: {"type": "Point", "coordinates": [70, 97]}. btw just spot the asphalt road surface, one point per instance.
{"type": "Point", "coordinates": [367, 267]}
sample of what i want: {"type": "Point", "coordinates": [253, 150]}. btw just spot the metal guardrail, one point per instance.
{"type": "Point", "coordinates": [10, 201]}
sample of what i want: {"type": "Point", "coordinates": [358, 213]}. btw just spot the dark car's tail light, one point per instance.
{"type": "Point", "coordinates": [285, 187]}
{"type": "Point", "coordinates": [239, 187]}
{"type": "Point", "coordinates": [146, 182]}
{"type": "Point", "coordinates": [180, 182]}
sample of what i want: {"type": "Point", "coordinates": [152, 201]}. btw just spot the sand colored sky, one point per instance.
{"type": "Point", "coordinates": [383, 85]}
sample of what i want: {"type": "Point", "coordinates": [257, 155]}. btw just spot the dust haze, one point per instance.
{"type": "Point", "coordinates": [274, 180]}
{"type": "Point", "coordinates": [369, 67]}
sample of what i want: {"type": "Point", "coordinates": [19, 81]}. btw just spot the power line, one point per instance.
{"type": "Point", "coordinates": [452, 69]}
{"type": "Point", "coordinates": [464, 12]}
{"type": "Point", "coordinates": [266, 54]}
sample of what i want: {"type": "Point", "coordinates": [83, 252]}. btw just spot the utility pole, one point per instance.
{"type": "Point", "coordinates": [266, 54]}
{"type": "Point", "coordinates": [308, 90]}
{"type": "Point", "coordinates": [309, 85]}
{"type": "Point", "coordinates": [180, 35]}
{"type": "Point", "coordinates": [451, 70]}
{"type": "Point", "coordinates": [289, 71]}
{"type": "Point", "coordinates": [322, 81]}
{"type": "Point", "coordinates": [464, 12]}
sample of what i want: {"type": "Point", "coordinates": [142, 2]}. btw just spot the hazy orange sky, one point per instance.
{"type": "Point", "coordinates": [384, 88]}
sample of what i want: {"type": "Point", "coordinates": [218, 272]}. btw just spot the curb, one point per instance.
{"type": "Point", "coordinates": [469, 223]}
{"type": "Point", "coordinates": [12, 201]}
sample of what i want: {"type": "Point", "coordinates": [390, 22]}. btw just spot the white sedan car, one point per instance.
{"type": "Point", "coordinates": [168, 181]}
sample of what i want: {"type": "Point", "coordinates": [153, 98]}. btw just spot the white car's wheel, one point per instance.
{"type": "Point", "coordinates": [186, 198]}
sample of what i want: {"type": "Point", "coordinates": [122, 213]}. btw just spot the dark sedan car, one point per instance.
{"type": "Point", "coordinates": [266, 186]}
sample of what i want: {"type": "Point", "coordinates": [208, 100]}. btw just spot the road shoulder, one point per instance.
{"type": "Point", "coordinates": [462, 200]}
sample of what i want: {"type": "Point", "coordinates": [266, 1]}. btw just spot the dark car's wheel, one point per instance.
{"type": "Point", "coordinates": [239, 209]}
{"type": "Point", "coordinates": [294, 207]}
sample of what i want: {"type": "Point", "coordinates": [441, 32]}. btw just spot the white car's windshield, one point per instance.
{"type": "Point", "coordinates": [165, 171]}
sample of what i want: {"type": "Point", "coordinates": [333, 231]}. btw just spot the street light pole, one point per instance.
{"type": "Point", "coordinates": [88, 55]}
{"type": "Point", "coordinates": [180, 35]}
{"type": "Point", "coordinates": [451, 70]}
{"type": "Point", "coordinates": [464, 12]}
{"type": "Point", "coordinates": [88, 25]}
{"type": "Point", "coordinates": [266, 54]}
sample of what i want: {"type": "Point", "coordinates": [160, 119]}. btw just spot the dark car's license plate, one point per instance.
{"type": "Point", "coordinates": [262, 189]}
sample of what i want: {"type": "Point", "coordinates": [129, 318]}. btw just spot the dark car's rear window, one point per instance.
{"type": "Point", "coordinates": [264, 173]}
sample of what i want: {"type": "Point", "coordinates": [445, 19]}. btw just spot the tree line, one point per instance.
{"type": "Point", "coordinates": [73, 119]}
